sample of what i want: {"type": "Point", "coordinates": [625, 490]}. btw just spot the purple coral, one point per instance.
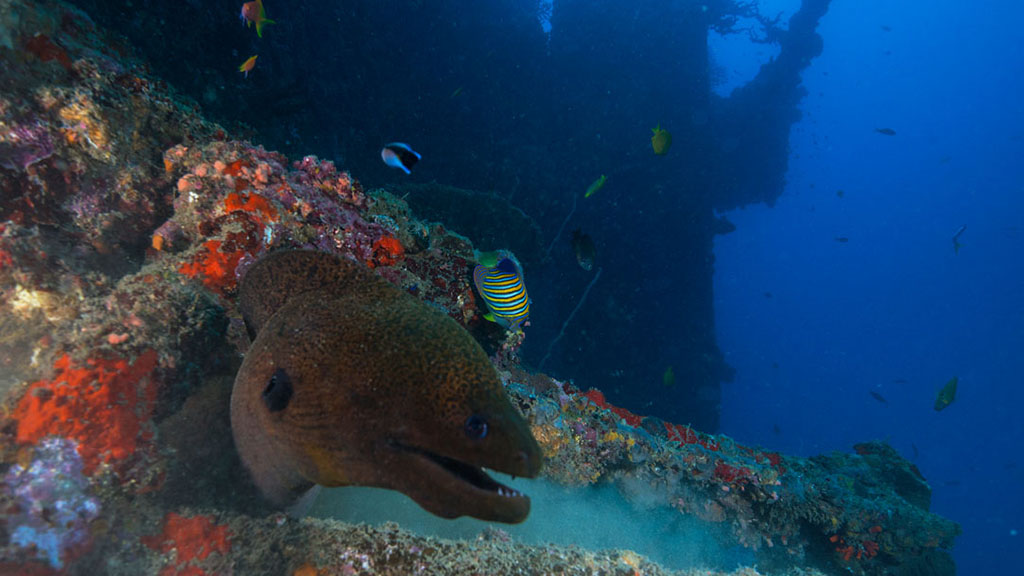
{"type": "Point", "coordinates": [54, 510]}
{"type": "Point", "coordinates": [88, 204]}
{"type": "Point", "coordinates": [24, 144]}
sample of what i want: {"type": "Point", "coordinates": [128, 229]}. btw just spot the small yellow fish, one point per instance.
{"type": "Point", "coordinates": [595, 186]}
{"type": "Point", "coordinates": [248, 65]}
{"type": "Point", "coordinates": [254, 13]}
{"type": "Point", "coordinates": [661, 141]}
{"type": "Point", "coordinates": [946, 395]}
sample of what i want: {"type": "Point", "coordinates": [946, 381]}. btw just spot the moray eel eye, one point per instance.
{"type": "Point", "coordinates": [475, 427]}
{"type": "Point", "coordinates": [278, 392]}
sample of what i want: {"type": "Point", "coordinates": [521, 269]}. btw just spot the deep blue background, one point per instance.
{"type": "Point", "coordinates": [895, 302]}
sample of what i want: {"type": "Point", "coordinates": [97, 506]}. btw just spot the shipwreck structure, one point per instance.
{"type": "Point", "coordinates": [499, 104]}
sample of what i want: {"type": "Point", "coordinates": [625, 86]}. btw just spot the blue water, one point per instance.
{"type": "Point", "coordinates": [894, 303]}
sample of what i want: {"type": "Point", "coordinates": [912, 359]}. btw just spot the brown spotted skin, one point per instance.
{"type": "Point", "coordinates": [375, 378]}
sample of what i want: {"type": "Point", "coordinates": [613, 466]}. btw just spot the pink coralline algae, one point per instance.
{"type": "Point", "coordinates": [53, 508]}
{"type": "Point", "coordinates": [324, 176]}
{"type": "Point", "coordinates": [24, 144]}
{"type": "Point", "coordinates": [242, 201]}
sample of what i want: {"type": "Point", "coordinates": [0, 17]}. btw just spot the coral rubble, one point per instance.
{"type": "Point", "coordinates": [127, 221]}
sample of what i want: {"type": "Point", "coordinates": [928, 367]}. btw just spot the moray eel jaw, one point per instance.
{"type": "Point", "coordinates": [451, 488]}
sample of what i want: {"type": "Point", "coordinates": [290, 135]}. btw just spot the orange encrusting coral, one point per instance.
{"type": "Point", "coordinates": [731, 474]}
{"type": "Point", "coordinates": [255, 203]}
{"type": "Point", "coordinates": [47, 50]}
{"type": "Point", "coordinates": [864, 550]}
{"type": "Point", "coordinates": [215, 268]}
{"type": "Point", "coordinates": [105, 406]}
{"type": "Point", "coordinates": [723, 472]}
{"type": "Point", "coordinates": [234, 168]}
{"type": "Point", "coordinates": [686, 435]}
{"type": "Point", "coordinates": [597, 397]}
{"type": "Point", "coordinates": [191, 538]}
{"type": "Point", "coordinates": [386, 252]}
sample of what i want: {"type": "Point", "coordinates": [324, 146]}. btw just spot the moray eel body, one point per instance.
{"type": "Point", "coordinates": [351, 381]}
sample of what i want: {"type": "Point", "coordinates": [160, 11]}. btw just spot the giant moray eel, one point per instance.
{"type": "Point", "coordinates": [349, 380]}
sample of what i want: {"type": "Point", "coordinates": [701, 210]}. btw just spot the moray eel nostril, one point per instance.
{"type": "Point", "coordinates": [351, 381]}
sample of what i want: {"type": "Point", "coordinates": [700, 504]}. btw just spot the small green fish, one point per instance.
{"type": "Point", "coordinates": [597, 185]}
{"type": "Point", "coordinates": [489, 259]}
{"type": "Point", "coordinates": [946, 395]}
{"type": "Point", "coordinates": [668, 379]}
{"type": "Point", "coordinates": [661, 141]}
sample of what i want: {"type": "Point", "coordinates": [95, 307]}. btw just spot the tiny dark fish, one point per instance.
{"type": "Point", "coordinates": [878, 397]}
{"type": "Point", "coordinates": [840, 193]}
{"type": "Point", "coordinates": [913, 448]}
{"type": "Point", "coordinates": [956, 239]}
{"type": "Point", "coordinates": [886, 28]}
{"type": "Point", "coordinates": [398, 155]}
{"type": "Point", "coordinates": [899, 381]}
{"type": "Point", "coordinates": [886, 131]}
{"type": "Point", "coordinates": [767, 294]}
{"type": "Point", "coordinates": [776, 429]}
{"type": "Point", "coordinates": [842, 239]}
{"type": "Point", "coordinates": [583, 246]}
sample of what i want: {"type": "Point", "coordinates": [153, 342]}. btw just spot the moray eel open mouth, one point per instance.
{"type": "Point", "coordinates": [467, 473]}
{"type": "Point", "coordinates": [449, 487]}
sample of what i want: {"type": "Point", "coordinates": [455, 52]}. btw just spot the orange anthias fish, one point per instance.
{"type": "Point", "coordinates": [253, 13]}
{"type": "Point", "coordinates": [248, 65]}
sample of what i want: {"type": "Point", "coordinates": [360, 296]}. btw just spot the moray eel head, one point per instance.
{"type": "Point", "coordinates": [350, 381]}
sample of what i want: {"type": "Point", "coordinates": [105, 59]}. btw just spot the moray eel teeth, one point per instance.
{"type": "Point", "coordinates": [351, 381]}
{"type": "Point", "coordinates": [468, 473]}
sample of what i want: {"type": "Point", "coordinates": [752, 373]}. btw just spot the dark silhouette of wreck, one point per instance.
{"type": "Point", "coordinates": [496, 104]}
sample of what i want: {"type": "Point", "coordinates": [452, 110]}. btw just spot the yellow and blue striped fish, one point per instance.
{"type": "Point", "coordinates": [504, 292]}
